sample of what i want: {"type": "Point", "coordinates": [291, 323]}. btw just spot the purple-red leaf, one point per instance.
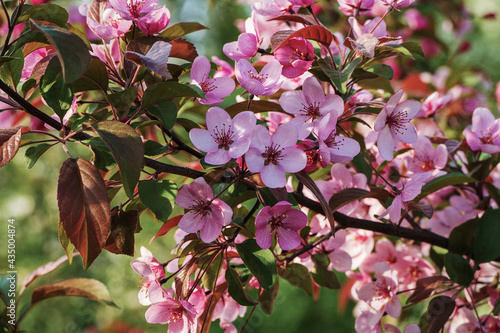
{"type": "Point", "coordinates": [10, 139]}
{"type": "Point", "coordinates": [426, 287]}
{"type": "Point", "coordinates": [314, 32]}
{"type": "Point", "coordinates": [121, 240]}
{"type": "Point", "coordinates": [84, 208]}
{"type": "Point", "coordinates": [297, 18]}
{"type": "Point", "coordinates": [89, 288]}
{"type": "Point", "coordinates": [166, 227]}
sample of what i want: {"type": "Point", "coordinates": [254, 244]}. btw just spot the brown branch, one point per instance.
{"type": "Point", "coordinates": [387, 229]}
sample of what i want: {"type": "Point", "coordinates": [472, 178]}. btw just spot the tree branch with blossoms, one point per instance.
{"type": "Point", "coordinates": [314, 160]}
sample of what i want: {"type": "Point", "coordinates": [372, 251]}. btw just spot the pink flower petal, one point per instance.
{"type": "Point", "coordinates": [293, 160]}
{"type": "Point", "coordinates": [288, 239]}
{"type": "Point", "coordinates": [190, 222]}
{"type": "Point", "coordinates": [219, 157]}
{"type": "Point", "coordinates": [244, 123]}
{"type": "Point", "coordinates": [273, 176]}
{"type": "Point", "coordinates": [217, 117]}
{"type": "Point", "coordinates": [312, 90]}
{"type": "Point", "coordinates": [200, 69]}
{"type": "Point", "coordinates": [203, 140]}
{"type": "Point", "coordinates": [264, 237]}
{"type": "Point", "coordinates": [386, 143]}
{"type": "Point", "coordinates": [210, 231]}
{"type": "Point", "coordinates": [285, 135]}
{"type": "Point", "coordinates": [254, 160]}
{"type": "Point", "coordinates": [292, 101]}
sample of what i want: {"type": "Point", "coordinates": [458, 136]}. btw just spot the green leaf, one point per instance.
{"type": "Point", "coordinates": [121, 101]}
{"type": "Point", "coordinates": [493, 191]}
{"type": "Point", "coordinates": [57, 94]}
{"type": "Point", "coordinates": [10, 72]}
{"type": "Point", "coordinates": [260, 262]}
{"type": "Point", "coordinates": [127, 149]}
{"type": "Point", "coordinates": [71, 50]}
{"type": "Point", "coordinates": [460, 240]}
{"type": "Point", "coordinates": [158, 196]}
{"type": "Point", "coordinates": [443, 181]}
{"type": "Point", "coordinates": [94, 78]}
{"type": "Point", "coordinates": [486, 244]}
{"type": "Point", "coordinates": [153, 148]}
{"type": "Point", "coordinates": [33, 154]}
{"type": "Point", "coordinates": [103, 159]}
{"type": "Point", "coordinates": [46, 12]}
{"type": "Point", "coordinates": [339, 78]}
{"type": "Point", "coordinates": [181, 29]}
{"type": "Point", "coordinates": [496, 307]}
{"type": "Point", "coordinates": [381, 70]}
{"type": "Point", "coordinates": [385, 51]}
{"type": "Point", "coordinates": [414, 47]}
{"type": "Point", "coordinates": [321, 274]}
{"type": "Point", "coordinates": [362, 166]}
{"type": "Point", "coordinates": [298, 276]}
{"type": "Point", "coordinates": [164, 91]}
{"type": "Point", "coordinates": [235, 288]}
{"type": "Point", "coordinates": [458, 269]}
{"type": "Point", "coordinates": [213, 270]}
{"type": "Point", "coordinates": [65, 243]}
{"type": "Point", "coordinates": [267, 298]}
{"type": "Point", "coordinates": [166, 112]}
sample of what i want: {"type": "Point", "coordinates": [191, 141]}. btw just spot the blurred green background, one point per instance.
{"type": "Point", "coordinates": [29, 196]}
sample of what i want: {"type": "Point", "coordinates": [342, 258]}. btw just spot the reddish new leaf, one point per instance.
{"type": "Point", "coordinates": [256, 107]}
{"type": "Point", "coordinates": [89, 288]}
{"type": "Point", "coordinates": [297, 18]}
{"type": "Point", "coordinates": [166, 227]}
{"type": "Point", "coordinates": [345, 196]}
{"type": "Point", "coordinates": [183, 49]}
{"type": "Point", "coordinates": [43, 270]}
{"type": "Point", "coordinates": [314, 32]}
{"type": "Point", "coordinates": [10, 139]}
{"type": "Point", "coordinates": [84, 208]}
{"type": "Point", "coordinates": [438, 312]}
{"type": "Point", "coordinates": [206, 317]}
{"type": "Point", "coordinates": [182, 280]}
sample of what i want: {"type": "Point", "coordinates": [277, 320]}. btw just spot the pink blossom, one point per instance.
{"type": "Point", "coordinates": [342, 179]}
{"type": "Point", "coordinates": [375, 27]}
{"type": "Point", "coordinates": [155, 21]}
{"type": "Point", "coordinates": [433, 104]}
{"type": "Point", "coordinates": [358, 244]}
{"type": "Point", "coordinates": [484, 134]}
{"type": "Point", "coordinates": [339, 259]}
{"type": "Point", "coordinates": [355, 7]}
{"type": "Point", "coordinates": [272, 7]}
{"type": "Point", "coordinates": [225, 69]}
{"type": "Point", "coordinates": [405, 193]}
{"type": "Point", "coordinates": [443, 221]}
{"type": "Point", "coordinates": [132, 10]}
{"type": "Point", "coordinates": [109, 53]}
{"type": "Point", "coordinates": [416, 21]}
{"type": "Point", "coordinates": [310, 105]}
{"type": "Point", "coordinates": [227, 310]}
{"type": "Point", "coordinates": [398, 3]}
{"type": "Point", "coordinates": [105, 22]}
{"type": "Point", "coordinates": [410, 328]}
{"type": "Point", "coordinates": [156, 58]}
{"type": "Point", "coordinates": [282, 220]}
{"type": "Point", "coordinates": [149, 268]}
{"type": "Point", "coordinates": [425, 158]}
{"type": "Point", "coordinates": [381, 294]}
{"type": "Point", "coordinates": [245, 48]}
{"type": "Point", "coordinates": [214, 88]}
{"type": "Point", "coordinates": [332, 147]}
{"type": "Point", "coordinates": [264, 83]}
{"type": "Point", "coordinates": [205, 213]}
{"type": "Point", "coordinates": [180, 315]}
{"type": "Point", "coordinates": [393, 124]}
{"type": "Point", "coordinates": [224, 138]}
{"type": "Point", "coordinates": [296, 57]}
{"type": "Point", "coordinates": [31, 60]}
{"type": "Point", "coordinates": [274, 155]}
{"type": "Point", "coordinates": [302, 3]}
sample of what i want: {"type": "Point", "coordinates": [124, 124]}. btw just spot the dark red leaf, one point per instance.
{"type": "Point", "coordinates": [84, 208]}
{"type": "Point", "coordinates": [314, 32]}
{"type": "Point", "coordinates": [89, 288]}
{"type": "Point", "coordinates": [183, 49]}
{"type": "Point", "coordinates": [166, 227]}
{"type": "Point", "coordinates": [10, 139]}
{"type": "Point", "coordinates": [298, 18]}
{"type": "Point", "coordinates": [123, 227]}
{"type": "Point", "coordinates": [426, 287]}
{"type": "Point", "coordinates": [438, 312]}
